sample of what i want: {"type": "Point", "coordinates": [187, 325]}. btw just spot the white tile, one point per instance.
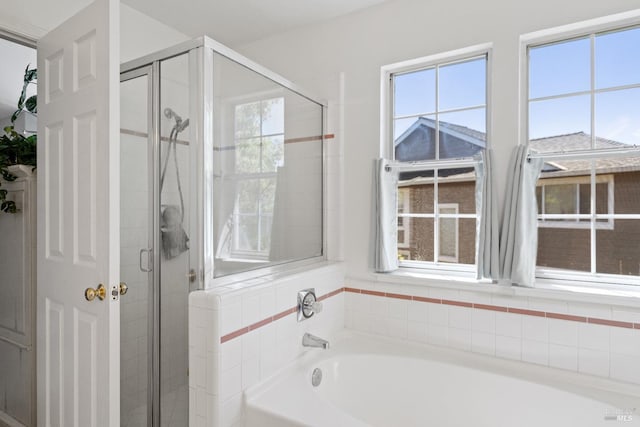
{"type": "Point", "coordinates": [626, 314]}
{"type": "Point", "coordinates": [625, 341]}
{"type": "Point", "coordinates": [250, 309]}
{"type": "Point", "coordinates": [211, 374]}
{"type": "Point", "coordinates": [460, 339]}
{"type": "Point", "coordinates": [460, 317]}
{"type": "Point", "coordinates": [417, 331]}
{"type": "Point", "coordinates": [250, 344]}
{"type": "Point", "coordinates": [398, 309]}
{"type": "Point", "coordinates": [550, 305]}
{"type": "Point", "coordinates": [509, 325]}
{"type": "Point", "coordinates": [563, 332]}
{"type": "Point", "coordinates": [380, 306]}
{"type": "Point", "coordinates": [267, 302]}
{"type": "Point", "coordinates": [483, 321]}
{"type": "Point", "coordinates": [231, 411]}
{"type": "Point", "coordinates": [437, 334]}
{"type": "Point", "coordinates": [363, 321]}
{"type": "Point", "coordinates": [380, 325]}
{"type": "Point", "coordinates": [594, 337]}
{"type": "Point", "coordinates": [483, 342]}
{"type": "Point", "coordinates": [535, 352]}
{"type": "Point", "coordinates": [563, 357]}
{"type": "Point", "coordinates": [508, 347]}
{"type": "Point", "coordinates": [593, 362]}
{"type": "Point", "coordinates": [268, 363]}
{"type": "Point", "coordinates": [397, 328]}
{"type": "Point", "coordinates": [231, 354]}
{"type": "Point", "coordinates": [250, 372]}
{"type": "Point", "coordinates": [625, 367]}
{"type": "Point", "coordinates": [535, 328]}
{"type": "Point", "coordinates": [230, 318]}
{"type": "Point", "coordinates": [509, 301]}
{"type": "Point", "coordinates": [438, 314]}
{"type": "Point", "coordinates": [590, 310]}
{"type": "Point", "coordinates": [418, 311]}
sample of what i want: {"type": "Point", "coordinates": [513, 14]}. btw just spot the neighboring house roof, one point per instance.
{"type": "Point", "coordinates": [581, 141]}
{"type": "Point", "coordinates": [418, 143]}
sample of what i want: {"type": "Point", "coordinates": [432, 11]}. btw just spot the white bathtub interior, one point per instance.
{"type": "Point", "coordinates": [374, 381]}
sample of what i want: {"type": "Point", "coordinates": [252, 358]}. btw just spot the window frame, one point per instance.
{"type": "Point", "coordinates": [590, 28]}
{"type": "Point", "coordinates": [236, 252]}
{"type": "Point", "coordinates": [387, 140]}
{"type": "Point", "coordinates": [607, 178]}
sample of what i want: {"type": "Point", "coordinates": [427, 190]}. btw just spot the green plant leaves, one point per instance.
{"type": "Point", "coordinates": [16, 148]}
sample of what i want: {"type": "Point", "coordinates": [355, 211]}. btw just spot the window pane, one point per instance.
{"type": "Point", "coordinates": [617, 249]}
{"type": "Point", "coordinates": [265, 233]}
{"type": "Point", "coordinates": [248, 155]}
{"type": "Point", "coordinates": [560, 199]}
{"type": "Point", "coordinates": [617, 61]}
{"type": "Point", "coordinates": [421, 242]}
{"type": "Point", "coordinates": [414, 139]}
{"type": "Point", "coordinates": [273, 116]}
{"type": "Point", "coordinates": [419, 192]}
{"type": "Point", "coordinates": [559, 68]}
{"type": "Point", "coordinates": [626, 186]}
{"type": "Point", "coordinates": [248, 196]}
{"type": "Point", "coordinates": [247, 233]}
{"type": "Point", "coordinates": [462, 84]}
{"type": "Point", "coordinates": [458, 186]}
{"type": "Point", "coordinates": [414, 93]}
{"type": "Point", "coordinates": [247, 120]}
{"type": "Point", "coordinates": [567, 117]}
{"type": "Point", "coordinates": [448, 239]}
{"type": "Point", "coordinates": [272, 153]}
{"type": "Point", "coordinates": [466, 241]}
{"type": "Point", "coordinates": [564, 248]}
{"type": "Point", "coordinates": [267, 195]}
{"type": "Point", "coordinates": [462, 134]}
{"type": "Point", "coordinates": [618, 116]}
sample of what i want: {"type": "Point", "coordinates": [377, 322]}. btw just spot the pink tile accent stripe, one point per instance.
{"type": "Point", "coordinates": [490, 307]}
{"type": "Point", "coordinates": [266, 321]}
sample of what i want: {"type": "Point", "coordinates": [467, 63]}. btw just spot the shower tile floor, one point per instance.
{"type": "Point", "coordinates": [174, 411]}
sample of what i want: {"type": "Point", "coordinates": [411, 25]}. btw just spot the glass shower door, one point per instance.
{"type": "Point", "coordinates": [136, 235]}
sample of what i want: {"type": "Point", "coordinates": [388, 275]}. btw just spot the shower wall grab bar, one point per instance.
{"type": "Point", "coordinates": [149, 253]}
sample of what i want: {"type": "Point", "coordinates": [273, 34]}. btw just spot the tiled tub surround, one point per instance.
{"type": "Point", "coordinates": [589, 338]}
{"type": "Point", "coordinates": [369, 380]}
{"type": "Point", "coordinates": [242, 334]}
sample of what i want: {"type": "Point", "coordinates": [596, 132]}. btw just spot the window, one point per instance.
{"type": "Point", "coordinates": [259, 142]}
{"type": "Point", "coordinates": [566, 202]}
{"type": "Point", "coordinates": [583, 115]}
{"type": "Point", "coordinates": [438, 116]}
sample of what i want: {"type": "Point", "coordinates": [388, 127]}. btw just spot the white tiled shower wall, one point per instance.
{"type": "Point", "coordinates": [220, 372]}
{"type": "Point", "coordinates": [601, 350]}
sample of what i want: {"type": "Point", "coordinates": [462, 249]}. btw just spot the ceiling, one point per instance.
{"type": "Point", "coordinates": [234, 22]}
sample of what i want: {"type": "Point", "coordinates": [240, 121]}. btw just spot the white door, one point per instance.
{"type": "Point", "coordinates": [78, 361]}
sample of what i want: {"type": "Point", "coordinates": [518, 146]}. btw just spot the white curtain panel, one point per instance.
{"type": "Point", "coordinates": [386, 217]}
{"type": "Point", "coordinates": [487, 226]}
{"type": "Point", "coordinates": [519, 237]}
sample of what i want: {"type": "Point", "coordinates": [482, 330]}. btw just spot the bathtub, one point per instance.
{"type": "Point", "coordinates": [373, 381]}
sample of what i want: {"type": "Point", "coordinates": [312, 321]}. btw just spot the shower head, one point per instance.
{"type": "Point", "coordinates": [180, 124]}
{"type": "Point", "coordinates": [170, 114]}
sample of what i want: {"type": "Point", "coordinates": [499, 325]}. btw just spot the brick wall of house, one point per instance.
{"type": "Point", "coordinates": [421, 229]}
{"type": "Point", "coordinates": [618, 249]}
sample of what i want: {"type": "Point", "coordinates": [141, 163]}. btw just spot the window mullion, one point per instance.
{"type": "Point", "coordinates": [592, 201]}
{"type": "Point", "coordinates": [436, 217]}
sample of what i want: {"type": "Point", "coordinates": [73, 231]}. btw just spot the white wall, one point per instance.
{"type": "Point", "coordinates": [360, 43]}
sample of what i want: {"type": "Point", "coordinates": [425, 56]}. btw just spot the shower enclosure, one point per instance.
{"type": "Point", "coordinates": [221, 179]}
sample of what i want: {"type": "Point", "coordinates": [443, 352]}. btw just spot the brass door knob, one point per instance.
{"type": "Point", "coordinates": [123, 288]}
{"type": "Point", "coordinates": [90, 294]}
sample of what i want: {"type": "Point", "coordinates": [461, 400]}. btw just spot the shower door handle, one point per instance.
{"type": "Point", "coordinates": [148, 267]}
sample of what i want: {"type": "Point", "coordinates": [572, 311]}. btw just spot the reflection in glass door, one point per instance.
{"type": "Point", "coordinates": [136, 236]}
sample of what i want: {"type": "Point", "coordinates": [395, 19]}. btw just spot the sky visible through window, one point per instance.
{"type": "Point", "coordinates": [559, 90]}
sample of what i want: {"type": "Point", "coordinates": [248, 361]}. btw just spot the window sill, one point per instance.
{"type": "Point", "coordinates": [621, 295]}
